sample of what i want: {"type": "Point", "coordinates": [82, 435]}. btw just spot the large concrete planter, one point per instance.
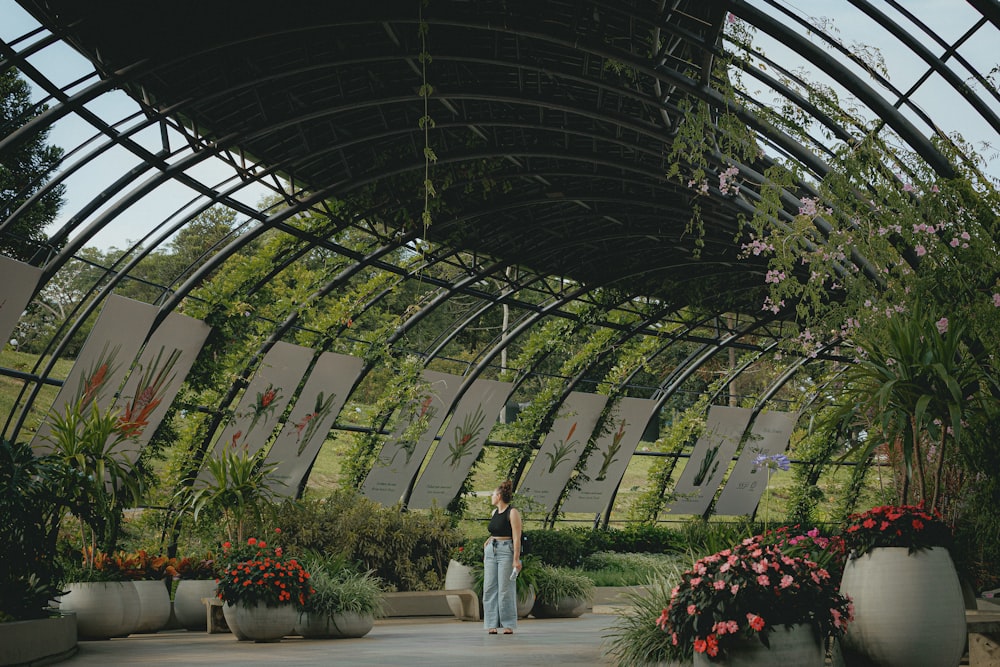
{"type": "Point", "coordinates": [261, 623]}
{"type": "Point", "coordinates": [456, 577]}
{"type": "Point", "coordinates": [41, 641]}
{"type": "Point", "coordinates": [908, 609]}
{"type": "Point", "coordinates": [339, 626]}
{"type": "Point", "coordinates": [566, 607]}
{"type": "Point", "coordinates": [799, 646]}
{"type": "Point", "coordinates": [103, 609]}
{"type": "Point", "coordinates": [154, 606]}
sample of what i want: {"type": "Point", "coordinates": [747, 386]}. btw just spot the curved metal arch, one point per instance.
{"type": "Point", "coordinates": [903, 127]}
{"type": "Point", "coordinates": [692, 41]}
{"type": "Point", "coordinates": [935, 64]}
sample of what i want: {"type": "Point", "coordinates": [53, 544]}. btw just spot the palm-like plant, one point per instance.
{"type": "Point", "coordinates": [916, 386]}
{"type": "Point", "coordinates": [237, 487]}
{"type": "Point", "coordinates": [91, 472]}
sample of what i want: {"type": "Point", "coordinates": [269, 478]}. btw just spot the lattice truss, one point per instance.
{"type": "Point", "coordinates": [545, 130]}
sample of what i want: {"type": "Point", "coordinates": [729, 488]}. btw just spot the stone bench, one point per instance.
{"type": "Point", "coordinates": [215, 619]}
{"type": "Point", "coordinates": [984, 637]}
{"type": "Point", "coordinates": [414, 603]}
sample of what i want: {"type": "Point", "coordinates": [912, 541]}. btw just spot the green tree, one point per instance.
{"type": "Point", "coordinates": [25, 166]}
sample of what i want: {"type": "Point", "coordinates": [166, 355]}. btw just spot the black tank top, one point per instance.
{"type": "Point", "coordinates": [500, 524]}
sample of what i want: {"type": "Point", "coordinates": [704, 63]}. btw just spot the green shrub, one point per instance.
{"type": "Point", "coordinates": [610, 568]}
{"type": "Point", "coordinates": [561, 548]}
{"type": "Point", "coordinates": [409, 551]}
{"type": "Point", "coordinates": [470, 551]}
{"type": "Point", "coordinates": [645, 538]}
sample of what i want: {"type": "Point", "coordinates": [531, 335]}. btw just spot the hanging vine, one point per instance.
{"type": "Point", "coordinates": [426, 122]}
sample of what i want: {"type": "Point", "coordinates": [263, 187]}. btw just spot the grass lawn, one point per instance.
{"type": "Point", "coordinates": [11, 388]}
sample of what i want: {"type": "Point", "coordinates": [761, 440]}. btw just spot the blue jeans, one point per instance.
{"type": "Point", "coordinates": [499, 592]}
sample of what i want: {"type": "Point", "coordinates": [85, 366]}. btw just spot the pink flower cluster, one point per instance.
{"type": "Point", "coordinates": [727, 182]}
{"type": "Point", "coordinates": [751, 588]}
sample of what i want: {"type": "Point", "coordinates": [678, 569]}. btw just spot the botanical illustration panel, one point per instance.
{"type": "Point", "coordinates": [316, 408]}
{"type": "Point", "coordinates": [404, 451]}
{"type": "Point", "coordinates": [612, 452]}
{"type": "Point", "coordinates": [19, 282]}
{"type": "Point", "coordinates": [104, 361]}
{"type": "Point", "coordinates": [154, 382]}
{"type": "Point", "coordinates": [265, 398]}
{"type": "Point", "coordinates": [463, 439]}
{"type": "Point", "coordinates": [562, 447]}
{"type": "Point", "coordinates": [705, 470]}
{"type": "Point", "coordinates": [769, 436]}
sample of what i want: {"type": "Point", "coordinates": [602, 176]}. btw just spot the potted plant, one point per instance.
{"type": "Point", "coordinates": [560, 592]}
{"type": "Point", "coordinates": [104, 599]}
{"type": "Point", "coordinates": [908, 600]}
{"type": "Point", "coordinates": [344, 602]}
{"type": "Point", "coordinates": [465, 570]}
{"type": "Point", "coordinates": [262, 590]}
{"type": "Point", "coordinates": [195, 580]}
{"type": "Point", "coordinates": [754, 598]}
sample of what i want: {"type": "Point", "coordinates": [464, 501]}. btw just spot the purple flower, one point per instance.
{"type": "Point", "coordinates": [772, 462]}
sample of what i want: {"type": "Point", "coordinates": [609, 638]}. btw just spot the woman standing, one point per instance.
{"type": "Point", "coordinates": [501, 557]}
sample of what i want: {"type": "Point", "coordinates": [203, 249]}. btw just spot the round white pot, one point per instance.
{"type": "Point", "coordinates": [908, 608]}
{"type": "Point", "coordinates": [188, 607]}
{"type": "Point", "coordinates": [103, 609]}
{"type": "Point", "coordinates": [798, 646]}
{"type": "Point", "coordinates": [261, 623]}
{"type": "Point", "coordinates": [525, 601]}
{"type": "Point", "coordinates": [154, 606]}
{"type": "Point", "coordinates": [338, 626]}
{"type": "Point", "coordinates": [457, 576]}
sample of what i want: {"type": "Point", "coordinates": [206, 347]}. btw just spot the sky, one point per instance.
{"type": "Point", "coordinates": [950, 18]}
{"type": "Point", "coordinates": [64, 66]}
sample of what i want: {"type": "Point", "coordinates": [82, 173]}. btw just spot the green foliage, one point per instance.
{"type": "Point", "coordinates": [401, 392]}
{"type": "Point", "coordinates": [552, 584]}
{"type": "Point", "coordinates": [25, 167]}
{"type": "Point", "coordinates": [704, 537]}
{"type": "Point", "coordinates": [30, 573]}
{"type": "Point", "coordinates": [237, 488]}
{"type": "Point", "coordinates": [561, 548]}
{"type": "Point", "coordinates": [634, 638]}
{"type": "Point", "coordinates": [338, 588]}
{"type": "Point", "coordinates": [915, 389]}
{"type": "Point", "coordinates": [644, 538]}
{"type": "Point", "coordinates": [406, 550]}
{"type": "Point", "coordinates": [469, 551]}
{"type": "Point", "coordinates": [610, 568]}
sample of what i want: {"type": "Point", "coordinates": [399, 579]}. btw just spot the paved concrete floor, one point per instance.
{"type": "Point", "coordinates": [392, 642]}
